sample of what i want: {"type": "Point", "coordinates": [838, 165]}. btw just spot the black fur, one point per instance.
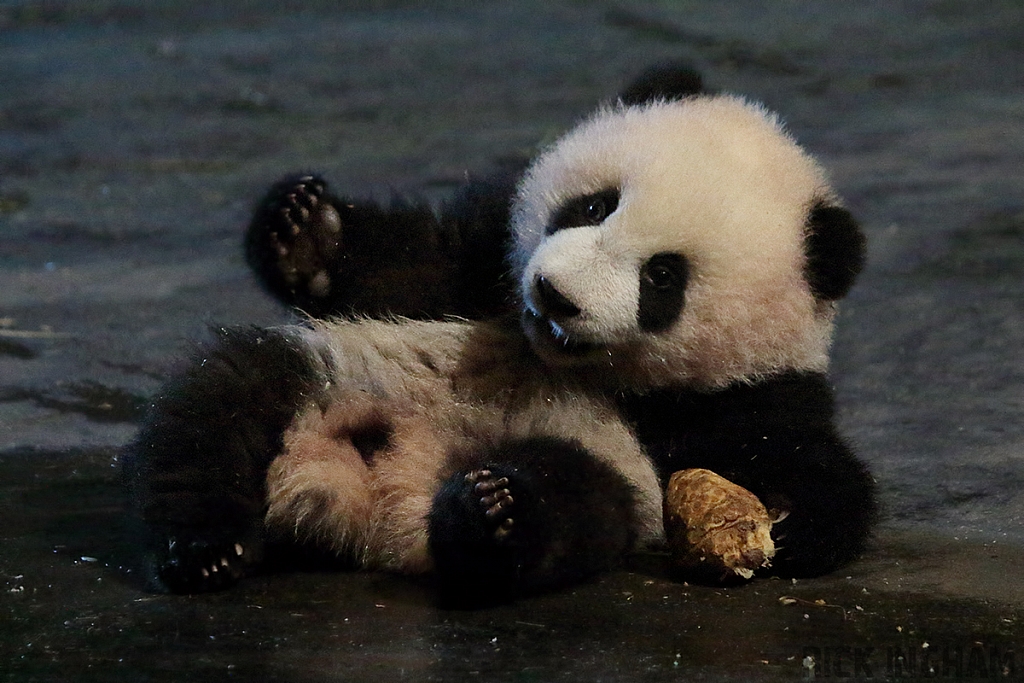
{"type": "Point", "coordinates": [778, 440]}
{"type": "Point", "coordinates": [572, 517]}
{"type": "Point", "coordinates": [835, 249]}
{"type": "Point", "coordinates": [589, 209]}
{"type": "Point", "coordinates": [197, 470]}
{"type": "Point", "coordinates": [671, 81]}
{"type": "Point", "coordinates": [337, 256]}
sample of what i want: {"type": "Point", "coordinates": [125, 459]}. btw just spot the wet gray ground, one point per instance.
{"type": "Point", "coordinates": [134, 137]}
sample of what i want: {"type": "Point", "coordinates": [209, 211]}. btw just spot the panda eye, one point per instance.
{"type": "Point", "coordinates": [661, 277]}
{"type": "Point", "coordinates": [663, 281]}
{"type": "Point", "coordinates": [664, 271]}
{"type": "Point", "coordinates": [591, 209]}
{"type": "Point", "coordinates": [596, 210]}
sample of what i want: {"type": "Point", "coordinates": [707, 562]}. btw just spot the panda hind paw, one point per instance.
{"type": "Point", "coordinates": [302, 230]}
{"type": "Point", "coordinates": [199, 567]}
{"type": "Point", "coordinates": [495, 500]}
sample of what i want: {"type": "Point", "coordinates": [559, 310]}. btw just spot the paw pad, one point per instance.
{"type": "Point", "coordinates": [302, 231]}
{"type": "Point", "coordinates": [495, 500]}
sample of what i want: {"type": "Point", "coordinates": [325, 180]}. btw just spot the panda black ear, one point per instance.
{"type": "Point", "coordinates": [671, 81]}
{"type": "Point", "coordinates": [835, 249]}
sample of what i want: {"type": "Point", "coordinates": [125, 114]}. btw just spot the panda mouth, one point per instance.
{"type": "Point", "coordinates": [550, 336]}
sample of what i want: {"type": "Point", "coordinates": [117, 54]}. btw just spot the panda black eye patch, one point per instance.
{"type": "Point", "coordinates": [590, 209]}
{"type": "Point", "coordinates": [662, 291]}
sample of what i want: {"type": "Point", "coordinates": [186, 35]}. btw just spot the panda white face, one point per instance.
{"type": "Point", "coordinates": [666, 242]}
{"type": "Point", "coordinates": [630, 296]}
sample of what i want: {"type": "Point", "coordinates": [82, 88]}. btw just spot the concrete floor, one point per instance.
{"type": "Point", "coordinates": [135, 136]}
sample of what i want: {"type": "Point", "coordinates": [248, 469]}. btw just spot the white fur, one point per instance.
{"type": "Point", "coordinates": [583, 266]}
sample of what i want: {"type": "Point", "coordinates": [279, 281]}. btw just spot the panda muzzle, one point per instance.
{"type": "Point", "coordinates": [551, 302]}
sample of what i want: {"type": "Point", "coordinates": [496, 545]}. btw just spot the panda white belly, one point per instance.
{"type": "Point", "coordinates": [410, 405]}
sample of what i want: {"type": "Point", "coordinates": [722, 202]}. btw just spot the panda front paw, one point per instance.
{"type": "Point", "coordinates": [295, 237]}
{"type": "Point", "coordinates": [476, 543]}
{"type": "Point", "coordinates": [196, 566]}
{"type": "Point", "coordinates": [496, 501]}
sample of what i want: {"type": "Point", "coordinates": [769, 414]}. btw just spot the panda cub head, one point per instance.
{"type": "Point", "coordinates": [686, 242]}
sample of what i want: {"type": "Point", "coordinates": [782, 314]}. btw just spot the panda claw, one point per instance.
{"type": "Point", "coordinates": [198, 566]}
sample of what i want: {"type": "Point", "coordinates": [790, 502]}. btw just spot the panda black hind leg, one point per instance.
{"type": "Point", "coordinates": [525, 516]}
{"type": "Point", "coordinates": [196, 473]}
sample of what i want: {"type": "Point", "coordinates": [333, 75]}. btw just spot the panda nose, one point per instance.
{"type": "Point", "coordinates": [552, 301]}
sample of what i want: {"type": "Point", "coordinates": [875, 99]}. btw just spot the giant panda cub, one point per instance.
{"type": "Point", "coordinates": [675, 262]}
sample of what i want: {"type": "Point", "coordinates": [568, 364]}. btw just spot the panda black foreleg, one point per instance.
{"type": "Point", "coordinates": [330, 255]}
{"type": "Point", "coordinates": [777, 439]}
{"type": "Point", "coordinates": [825, 496]}
{"type": "Point", "coordinates": [528, 515]}
{"type": "Point", "coordinates": [196, 473]}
